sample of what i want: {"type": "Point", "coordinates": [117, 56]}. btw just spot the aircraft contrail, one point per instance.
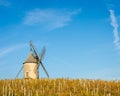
{"type": "Point", "coordinates": [115, 30]}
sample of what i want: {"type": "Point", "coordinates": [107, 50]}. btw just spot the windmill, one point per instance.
{"type": "Point", "coordinates": [32, 63]}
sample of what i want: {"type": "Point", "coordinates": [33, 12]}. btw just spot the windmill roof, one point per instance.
{"type": "Point", "coordinates": [30, 59]}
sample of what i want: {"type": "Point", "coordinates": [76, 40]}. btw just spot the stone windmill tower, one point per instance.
{"type": "Point", "coordinates": [32, 63]}
{"type": "Point", "coordinates": [30, 67]}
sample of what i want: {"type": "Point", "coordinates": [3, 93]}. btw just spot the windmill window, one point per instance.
{"type": "Point", "coordinates": [27, 74]}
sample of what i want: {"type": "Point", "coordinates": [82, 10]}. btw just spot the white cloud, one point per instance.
{"type": "Point", "coordinates": [115, 31]}
{"type": "Point", "coordinates": [49, 18]}
{"type": "Point", "coordinates": [7, 50]}
{"type": "Point", "coordinates": [4, 3]}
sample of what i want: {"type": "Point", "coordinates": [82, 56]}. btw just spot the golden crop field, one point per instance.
{"type": "Point", "coordinates": [59, 87]}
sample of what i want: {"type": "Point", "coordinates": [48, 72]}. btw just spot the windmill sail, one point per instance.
{"type": "Point", "coordinates": [19, 72]}
{"type": "Point", "coordinates": [39, 58]}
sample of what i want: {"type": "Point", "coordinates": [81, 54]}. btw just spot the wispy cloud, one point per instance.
{"type": "Point", "coordinates": [115, 30]}
{"type": "Point", "coordinates": [49, 18]}
{"type": "Point", "coordinates": [4, 3]}
{"type": "Point", "coordinates": [7, 50]}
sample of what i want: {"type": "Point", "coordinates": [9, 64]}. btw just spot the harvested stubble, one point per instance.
{"type": "Point", "coordinates": [59, 87]}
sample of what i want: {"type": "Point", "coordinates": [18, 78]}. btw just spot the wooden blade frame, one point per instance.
{"type": "Point", "coordinates": [44, 69]}
{"type": "Point", "coordinates": [19, 72]}
{"type": "Point", "coordinates": [39, 58]}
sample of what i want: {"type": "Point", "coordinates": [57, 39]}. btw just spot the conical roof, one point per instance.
{"type": "Point", "coordinates": [30, 59]}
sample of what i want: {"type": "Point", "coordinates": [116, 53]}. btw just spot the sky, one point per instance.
{"type": "Point", "coordinates": [82, 37]}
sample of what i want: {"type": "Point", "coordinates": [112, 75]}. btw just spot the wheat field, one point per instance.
{"type": "Point", "coordinates": [59, 87]}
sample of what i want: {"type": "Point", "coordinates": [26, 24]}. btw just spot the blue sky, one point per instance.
{"type": "Point", "coordinates": [81, 37]}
